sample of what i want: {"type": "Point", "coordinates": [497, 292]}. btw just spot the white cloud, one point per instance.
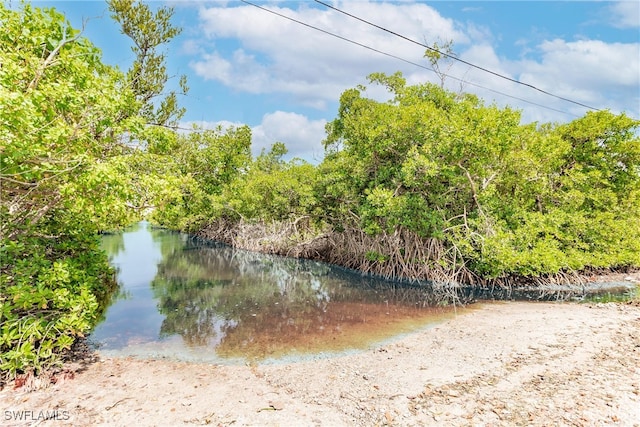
{"type": "Point", "coordinates": [276, 55]}
{"type": "Point", "coordinates": [302, 136]}
{"type": "Point", "coordinates": [599, 74]}
{"type": "Point", "coordinates": [191, 47]}
{"type": "Point", "coordinates": [592, 72]}
{"type": "Point", "coordinates": [625, 14]}
{"type": "Point", "coordinates": [215, 67]}
{"type": "Point", "coordinates": [270, 54]}
{"type": "Point", "coordinates": [241, 71]}
{"type": "Point", "coordinates": [593, 62]}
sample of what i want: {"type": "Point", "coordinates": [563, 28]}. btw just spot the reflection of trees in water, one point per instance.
{"type": "Point", "coordinates": [112, 244]}
{"type": "Point", "coordinates": [206, 292]}
{"type": "Point", "coordinates": [192, 308]}
{"type": "Point", "coordinates": [167, 241]}
{"type": "Point", "coordinates": [217, 295]}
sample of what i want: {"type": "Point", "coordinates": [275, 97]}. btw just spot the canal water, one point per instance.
{"type": "Point", "coordinates": [185, 298]}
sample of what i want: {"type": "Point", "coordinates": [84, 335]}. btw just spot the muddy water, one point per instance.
{"type": "Point", "coordinates": [188, 299]}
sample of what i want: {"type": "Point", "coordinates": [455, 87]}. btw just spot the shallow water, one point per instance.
{"type": "Point", "coordinates": [188, 299]}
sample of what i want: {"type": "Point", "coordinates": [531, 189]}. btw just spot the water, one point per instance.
{"type": "Point", "coordinates": [188, 299]}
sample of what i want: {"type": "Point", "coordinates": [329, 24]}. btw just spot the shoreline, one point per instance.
{"type": "Point", "coordinates": [562, 286]}
{"type": "Point", "coordinates": [505, 363]}
{"type": "Point", "coordinates": [283, 241]}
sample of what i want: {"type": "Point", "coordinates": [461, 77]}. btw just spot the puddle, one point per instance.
{"type": "Point", "coordinates": [183, 298]}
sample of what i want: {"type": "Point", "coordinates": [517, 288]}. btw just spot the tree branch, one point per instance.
{"type": "Point", "coordinates": [50, 58]}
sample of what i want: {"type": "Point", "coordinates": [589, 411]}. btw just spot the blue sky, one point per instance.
{"type": "Point", "coordinates": [247, 66]}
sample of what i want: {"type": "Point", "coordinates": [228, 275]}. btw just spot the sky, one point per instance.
{"type": "Point", "coordinates": [245, 65]}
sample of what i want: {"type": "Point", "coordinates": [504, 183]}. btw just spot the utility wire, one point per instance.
{"type": "Point", "coordinates": [404, 60]}
{"type": "Point", "coordinates": [456, 58]}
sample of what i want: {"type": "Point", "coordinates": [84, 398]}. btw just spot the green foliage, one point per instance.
{"type": "Point", "coordinates": [59, 110]}
{"type": "Point", "coordinates": [511, 199]}
{"type": "Point", "coordinates": [51, 294]}
{"type": "Point", "coordinates": [437, 55]}
{"type": "Point", "coordinates": [215, 177]}
{"type": "Point", "coordinates": [148, 77]}
{"type": "Point", "coordinates": [215, 157]}
{"type": "Point", "coordinates": [67, 124]}
{"type": "Point", "coordinates": [271, 189]}
{"type": "Point", "coordinates": [192, 173]}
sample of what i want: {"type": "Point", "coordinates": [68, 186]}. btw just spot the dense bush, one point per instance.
{"type": "Point", "coordinates": [67, 127]}
{"type": "Point", "coordinates": [433, 184]}
{"type": "Point", "coordinates": [271, 189]}
{"type": "Point", "coordinates": [508, 199]}
{"type": "Point", "coordinates": [51, 294]}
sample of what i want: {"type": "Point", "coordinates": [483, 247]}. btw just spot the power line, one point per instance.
{"type": "Point", "coordinates": [456, 58]}
{"type": "Point", "coordinates": [402, 59]}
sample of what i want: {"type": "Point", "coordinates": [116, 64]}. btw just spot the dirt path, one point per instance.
{"type": "Point", "coordinates": [504, 364]}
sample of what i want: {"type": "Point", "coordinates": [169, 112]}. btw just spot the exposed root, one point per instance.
{"type": "Point", "coordinates": [402, 256]}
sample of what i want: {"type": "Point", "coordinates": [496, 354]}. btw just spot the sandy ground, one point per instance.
{"type": "Point", "coordinates": [504, 364]}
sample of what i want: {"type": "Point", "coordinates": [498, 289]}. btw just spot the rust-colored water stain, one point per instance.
{"type": "Point", "coordinates": [341, 326]}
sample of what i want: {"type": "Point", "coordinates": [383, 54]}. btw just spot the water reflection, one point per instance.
{"type": "Point", "coordinates": [188, 298]}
